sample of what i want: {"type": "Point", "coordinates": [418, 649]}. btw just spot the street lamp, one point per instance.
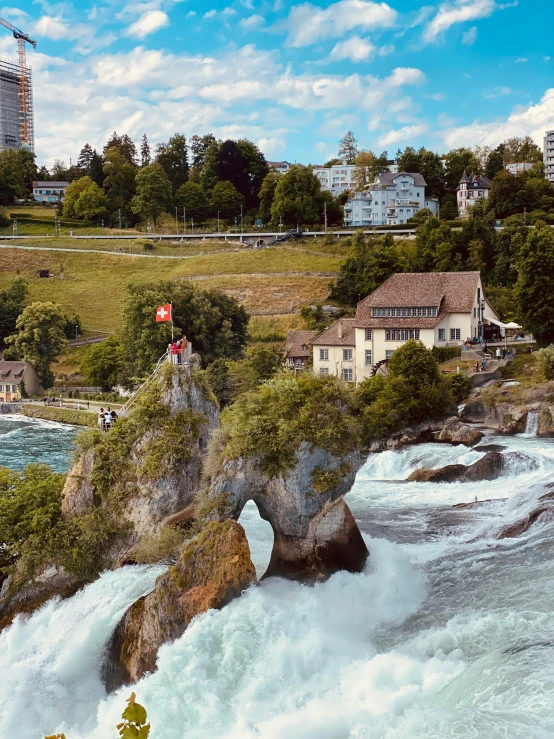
{"type": "Point", "coordinates": [176, 222]}
{"type": "Point", "coordinates": [241, 228]}
{"type": "Point", "coordinates": [184, 220]}
{"type": "Point", "coordinates": [235, 224]}
{"type": "Point", "coordinates": [192, 225]}
{"type": "Point", "coordinates": [218, 212]}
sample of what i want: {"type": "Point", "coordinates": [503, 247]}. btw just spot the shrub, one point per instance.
{"type": "Point", "coordinates": [460, 386]}
{"type": "Point", "coordinates": [445, 353]}
{"type": "Point", "coordinates": [4, 218]}
{"type": "Point", "coordinates": [545, 360]}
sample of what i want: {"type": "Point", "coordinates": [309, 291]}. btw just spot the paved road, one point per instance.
{"type": "Point", "coordinates": [95, 251]}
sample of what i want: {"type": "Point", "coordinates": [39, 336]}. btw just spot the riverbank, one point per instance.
{"type": "Point", "coordinates": [60, 415]}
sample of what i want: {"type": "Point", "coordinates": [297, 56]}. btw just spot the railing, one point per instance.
{"type": "Point", "coordinates": [282, 237]}
{"type": "Point", "coordinates": [139, 391]}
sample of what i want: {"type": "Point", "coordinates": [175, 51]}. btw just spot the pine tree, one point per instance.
{"type": "Point", "coordinates": [85, 158]}
{"type": "Point", "coordinates": [348, 148]}
{"type": "Point", "coordinates": [144, 151]}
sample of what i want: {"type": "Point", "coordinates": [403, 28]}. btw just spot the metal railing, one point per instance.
{"type": "Point", "coordinates": [140, 390]}
{"type": "Point", "coordinates": [281, 237]}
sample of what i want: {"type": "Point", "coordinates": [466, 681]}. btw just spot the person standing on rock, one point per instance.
{"type": "Point", "coordinates": [174, 352]}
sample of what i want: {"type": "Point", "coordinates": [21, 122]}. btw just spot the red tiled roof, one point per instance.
{"type": "Point", "coordinates": [330, 337]}
{"type": "Point", "coordinates": [296, 340]}
{"type": "Point", "coordinates": [452, 292]}
{"type": "Point", "coordinates": [12, 370]}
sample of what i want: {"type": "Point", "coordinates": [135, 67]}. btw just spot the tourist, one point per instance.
{"type": "Point", "coordinates": [484, 364]}
{"type": "Point", "coordinates": [179, 352]}
{"type": "Point", "coordinates": [114, 417]}
{"type": "Point", "coordinates": [101, 420]}
{"type": "Point", "coordinates": [108, 419]}
{"type": "Point", "coordinates": [477, 366]}
{"type": "Point", "coordinates": [174, 353]}
{"type": "Point", "coordinates": [504, 353]}
{"type": "Point", "coordinates": [498, 353]}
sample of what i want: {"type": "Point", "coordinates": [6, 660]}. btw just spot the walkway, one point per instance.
{"type": "Point", "coordinates": [99, 251]}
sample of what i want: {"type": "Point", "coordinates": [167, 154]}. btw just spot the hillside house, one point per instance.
{"type": "Point", "coordinates": [49, 192]}
{"type": "Point", "coordinates": [471, 190]}
{"type": "Point", "coordinates": [16, 376]}
{"type": "Point", "coordinates": [436, 308]}
{"type": "Point", "coordinates": [298, 349]}
{"type": "Point", "coordinates": [391, 199]}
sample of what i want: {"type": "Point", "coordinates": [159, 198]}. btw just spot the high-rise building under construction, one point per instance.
{"type": "Point", "coordinates": [16, 115]}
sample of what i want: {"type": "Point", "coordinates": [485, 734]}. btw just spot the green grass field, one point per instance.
{"type": "Point", "coordinates": [265, 281]}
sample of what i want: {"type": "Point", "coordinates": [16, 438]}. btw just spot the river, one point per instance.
{"type": "Point", "coordinates": [24, 440]}
{"type": "Point", "coordinates": [449, 632]}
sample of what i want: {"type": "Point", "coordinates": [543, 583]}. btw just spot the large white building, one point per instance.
{"type": "Point", "coordinates": [436, 308]}
{"type": "Point", "coordinates": [393, 198]}
{"type": "Point", "coordinates": [336, 179]}
{"type": "Point", "coordinates": [471, 190]}
{"type": "Point", "coordinates": [519, 167]}
{"type": "Point", "coordinates": [548, 156]}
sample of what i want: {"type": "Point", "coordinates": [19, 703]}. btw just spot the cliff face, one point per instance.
{"type": "Point", "coordinates": [314, 532]}
{"type": "Point", "coordinates": [213, 568]}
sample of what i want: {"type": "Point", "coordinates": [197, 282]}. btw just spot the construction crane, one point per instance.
{"type": "Point", "coordinates": [24, 92]}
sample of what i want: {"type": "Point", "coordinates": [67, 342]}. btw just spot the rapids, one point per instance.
{"type": "Point", "coordinates": [448, 633]}
{"type": "Point", "coordinates": [24, 440]}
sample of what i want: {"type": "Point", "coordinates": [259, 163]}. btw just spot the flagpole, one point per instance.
{"type": "Point", "coordinates": [171, 313]}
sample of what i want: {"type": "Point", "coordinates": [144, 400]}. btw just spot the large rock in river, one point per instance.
{"type": "Point", "coordinates": [314, 531]}
{"type": "Point", "coordinates": [489, 467]}
{"type": "Point", "coordinates": [455, 432]}
{"type": "Point", "coordinates": [213, 568]}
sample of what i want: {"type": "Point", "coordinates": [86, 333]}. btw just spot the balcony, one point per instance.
{"type": "Point", "coordinates": [347, 207]}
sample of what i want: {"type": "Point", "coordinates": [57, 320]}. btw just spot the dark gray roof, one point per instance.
{"type": "Point", "coordinates": [389, 178]}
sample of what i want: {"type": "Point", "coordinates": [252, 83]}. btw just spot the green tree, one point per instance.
{"type": "Point", "coordinates": [267, 194]}
{"type": "Point", "coordinates": [534, 291]}
{"type": "Point", "coordinates": [199, 145]}
{"type": "Point", "coordinates": [40, 338]}
{"type": "Point", "coordinates": [119, 184]}
{"type": "Point", "coordinates": [333, 208]}
{"type": "Point", "coordinates": [518, 149]}
{"type": "Point", "coordinates": [298, 197]}
{"type": "Point", "coordinates": [260, 364]}
{"type": "Point", "coordinates": [495, 164]}
{"type": "Point", "coordinates": [12, 177]}
{"type": "Point", "coordinates": [226, 199]}
{"type": "Point", "coordinates": [456, 161]}
{"type": "Point", "coordinates": [449, 208]}
{"type": "Point", "coordinates": [215, 324]}
{"type": "Point", "coordinates": [72, 194]}
{"type": "Point", "coordinates": [428, 164]}
{"type": "Point", "coordinates": [84, 199]}
{"type": "Point", "coordinates": [124, 145]}
{"type": "Point", "coordinates": [348, 148]}
{"type": "Point", "coordinates": [84, 160]}
{"type": "Point", "coordinates": [192, 198]}
{"type": "Point", "coordinates": [153, 192]}
{"type": "Point", "coordinates": [12, 299]}
{"type": "Point", "coordinates": [145, 156]}
{"type": "Point", "coordinates": [239, 162]}
{"type": "Point", "coordinates": [102, 363]}
{"type": "Point", "coordinates": [173, 157]}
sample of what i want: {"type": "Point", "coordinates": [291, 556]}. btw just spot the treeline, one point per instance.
{"type": "Point", "coordinates": [516, 264]}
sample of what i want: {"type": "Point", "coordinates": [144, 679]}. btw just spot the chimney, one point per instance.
{"type": "Point", "coordinates": [340, 329]}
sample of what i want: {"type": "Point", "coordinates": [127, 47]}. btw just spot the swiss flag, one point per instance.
{"type": "Point", "coordinates": [163, 313]}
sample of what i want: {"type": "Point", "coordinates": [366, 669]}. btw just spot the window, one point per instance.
{"type": "Point", "coordinates": [347, 355]}
{"type": "Point", "coordinates": [454, 334]}
{"type": "Point", "coordinates": [323, 355]}
{"type": "Point", "coordinates": [368, 334]}
{"type": "Point", "coordinates": [390, 352]}
{"type": "Point", "coordinates": [14, 388]}
{"type": "Point", "coordinates": [442, 334]}
{"type": "Point", "coordinates": [368, 357]}
{"type": "Point", "coordinates": [324, 371]}
{"type": "Point", "coordinates": [474, 312]}
{"type": "Point", "coordinates": [348, 375]}
{"type": "Point", "coordinates": [1, 388]}
{"type": "Point", "coordinates": [304, 347]}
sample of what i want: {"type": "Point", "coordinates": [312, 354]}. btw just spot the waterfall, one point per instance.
{"type": "Point", "coordinates": [532, 423]}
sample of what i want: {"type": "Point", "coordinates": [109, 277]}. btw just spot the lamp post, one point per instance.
{"type": "Point", "coordinates": [176, 222]}
{"type": "Point", "coordinates": [192, 225]}
{"type": "Point", "coordinates": [235, 224]}
{"type": "Point", "coordinates": [184, 220]}
{"type": "Point", "coordinates": [241, 228]}
{"type": "Point", "coordinates": [218, 212]}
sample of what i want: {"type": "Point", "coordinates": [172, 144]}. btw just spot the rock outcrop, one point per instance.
{"type": "Point", "coordinates": [315, 534]}
{"type": "Point", "coordinates": [489, 467]}
{"type": "Point", "coordinates": [213, 568]}
{"type": "Point", "coordinates": [455, 432]}
{"type": "Point", "coordinates": [418, 434]}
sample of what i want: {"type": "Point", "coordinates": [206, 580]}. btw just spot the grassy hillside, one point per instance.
{"type": "Point", "coordinates": [265, 281]}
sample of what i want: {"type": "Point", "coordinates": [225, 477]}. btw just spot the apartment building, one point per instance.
{"type": "Point", "coordinates": [471, 190]}
{"type": "Point", "coordinates": [336, 179]}
{"type": "Point", "coordinates": [393, 198]}
{"type": "Point", "coordinates": [518, 167]}
{"type": "Point", "coordinates": [548, 156]}
{"type": "Point", "coordinates": [436, 308]}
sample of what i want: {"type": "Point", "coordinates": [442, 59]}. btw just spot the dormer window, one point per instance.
{"type": "Point", "coordinates": [304, 347]}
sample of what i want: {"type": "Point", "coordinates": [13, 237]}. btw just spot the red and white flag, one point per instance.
{"type": "Point", "coordinates": [163, 313]}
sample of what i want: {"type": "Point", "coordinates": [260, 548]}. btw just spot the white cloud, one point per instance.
{"type": "Point", "coordinates": [149, 22]}
{"type": "Point", "coordinates": [51, 27]}
{"type": "Point", "coordinates": [253, 21]}
{"type": "Point", "coordinates": [546, 58]}
{"type": "Point", "coordinates": [191, 14]}
{"type": "Point", "coordinates": [469, 37]}
{"type": "Point", "coordinates": [522, 60]}
{"type": "Point", "coordinates": [497, 92]}
{"type": "Point", "coordinates": [308, 23]}
{"type": "Point", "coordinates": [356, 49]}
{"type": "Point", "coordinates": [320, 146]}
{"type": "Point", "coordinates": [210, 14]}
{"type": "Point", "coordinates": [532, 120]}
{"type": "Point", "coordinates": [271, 147]}
{"type": "Point", "coordinates": [438, 97]}
{"type": "Point", "coordinates": [405, 76]}
{"type": "Point", "coordinates": [387, 49]}
{"type": "Point", "coordinates": [459, 11]}
{"type": "Point", "coordinates": [406, 133]}
{"type": "Point", "coordinates": [225, 13]}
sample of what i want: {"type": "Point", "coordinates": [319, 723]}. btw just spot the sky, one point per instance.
{"type": "Point", "coordinates": [292, 77]}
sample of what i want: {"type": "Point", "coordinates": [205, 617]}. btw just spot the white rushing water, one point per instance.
{"type": "Point", "coordinates": [448, 633]}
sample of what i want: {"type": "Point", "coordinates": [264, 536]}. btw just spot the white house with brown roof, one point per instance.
{"type": "Point", "coordinates": [436, 308]}
{"type": "Point", "coordinates": [298, 349]}
{"type": "Point", "coordinates": [471, 190]}
{"type": "Point", "coordinates": [16, 376]}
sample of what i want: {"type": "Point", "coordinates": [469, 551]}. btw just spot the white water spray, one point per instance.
{"type": "Point", "coordinates": [532, 423]}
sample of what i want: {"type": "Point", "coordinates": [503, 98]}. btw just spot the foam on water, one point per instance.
{"type": "Point", "coordinates": [448, 633]}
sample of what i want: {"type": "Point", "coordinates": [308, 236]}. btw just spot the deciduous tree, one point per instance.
{"type": "Point", "coordinates": [298, 197]}
{"type": "Point", "coordinates": [40, 338]}
{"type": "Point", "coordinates": [173, 157]}
{"type": "Point", "coordinates": [153, 192]}
{"type": "Point", "coordinates": [226, 200]}
{"type": "Point", "coordinates": [191, 198]}
{"type": "Point", "coordinates": [348, 148]}
{"type": "Point", "coordinates": [535, 287]}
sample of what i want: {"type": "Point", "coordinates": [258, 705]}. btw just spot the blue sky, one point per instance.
{"type": "Point", "coordinates": [290, 77]}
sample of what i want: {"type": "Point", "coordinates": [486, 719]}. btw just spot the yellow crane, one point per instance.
{"type": "Point", "coordinates": [24, 96]}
